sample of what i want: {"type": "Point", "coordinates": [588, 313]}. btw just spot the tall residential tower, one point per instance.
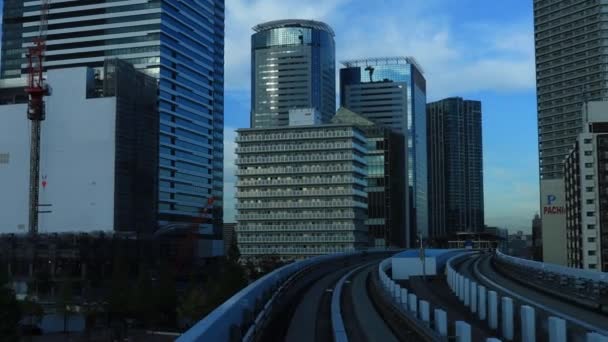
{"type": "Point", "coordinates": [570, 68]}
{"type": "Point", "coordinates": [179, 43]}
{"type": "Point", "coordinates": [292, 66]}
{"type": "Point", "coordinates": [455, 167]}
{"type": "Point", "coordinates": [391, 92]}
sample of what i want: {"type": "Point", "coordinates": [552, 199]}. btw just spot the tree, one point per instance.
{"type": "Point", "coordinates": [165, 296]}
{"type": "Point", "coordinates": [63, 301]}
{"type": "Point", "coordinates": [191, 306]}
{"type": "Point", "coordinates": [233, 253]}
{"type": "Point", "coordinates": [10, 312]}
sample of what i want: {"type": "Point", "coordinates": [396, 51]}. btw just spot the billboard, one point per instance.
{"type": "Point", "coordinates": [553, 208]}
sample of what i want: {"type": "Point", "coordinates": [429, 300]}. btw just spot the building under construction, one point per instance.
{"type": "Point", "coordinates": [98, 153]}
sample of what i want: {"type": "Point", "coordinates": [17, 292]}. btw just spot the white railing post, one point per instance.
{"type": "Point", "coordinates": [467, 292]}
{"type": "Point", "coordinates": [473, 296]}
{"type": "Point", "coordinates": [493, 310]}
{"type": "Point", "coordinates": [412, 302]}
{"type": "Point", "coordinates": [557, 329]}
{"type": "Point", "coordinates": [425, 311]}
{"type": "Point", "coordinates": [528, 324]}
{"type": "Point", "coordinates": [441, 322]}
{"type": "Point", "coordinates": [463, 332]}
{"type": "Point", "coordinates": [507, 318]}
{"type": "Point", "coordinates": [404, 297]}
{"type": "Point", "coordinates": [482, 303]}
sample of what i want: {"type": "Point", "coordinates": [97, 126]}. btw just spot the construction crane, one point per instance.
{"type": "Point", "coordinates": [36, 89]}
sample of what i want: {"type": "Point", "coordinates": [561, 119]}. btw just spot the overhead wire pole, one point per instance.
{"type": "Point", "coordinates": [36, 90]}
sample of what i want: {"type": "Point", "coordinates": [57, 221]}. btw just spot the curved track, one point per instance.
{"type": "Point", "coordinates": [358, 310]}
{"type": "Point", "coordinates": [484, 272]}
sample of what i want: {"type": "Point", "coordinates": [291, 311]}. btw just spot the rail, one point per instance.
{"type": "Point", "coordinates": [239, 316]}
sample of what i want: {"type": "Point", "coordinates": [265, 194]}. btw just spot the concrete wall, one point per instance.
{"type": "Point", "coordinates": [553, 211]}
{"type": "Point", "coordinates": [77, 159]}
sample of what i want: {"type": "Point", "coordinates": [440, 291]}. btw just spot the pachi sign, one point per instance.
{"type": "Point", "coordinates": [550, 208]}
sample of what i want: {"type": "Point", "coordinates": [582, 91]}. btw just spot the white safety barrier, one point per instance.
{"type": "Point", "coordinates": [441, 322]}
{"type": "Point", "coordinates": [507, 318]}
{"type": "Point", "coordinates": [528, 324]}
{"type": "Point", "coordinates": [425, 311]}
{"type": "Point", "coordinates": [557, 329]}
{"type": "Point", "coordinates": [463, 332]}
{"type": "Point", "coordinates": [490, 306]}
{"type": "Point", "coordinates": [493, 310]}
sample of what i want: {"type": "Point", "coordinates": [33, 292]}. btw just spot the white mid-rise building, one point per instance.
{"type": "Point", "coordinates": [98, 153]}
{"type": "Point", "coordinates": [586, 185]}
{"type": "Point", "coordinates": [301, 191]}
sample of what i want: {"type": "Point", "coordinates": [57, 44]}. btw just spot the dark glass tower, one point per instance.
{"type": "Point", "coordinates": [179, 43]}
{"type": "Point", "coordinates": [391, 92]}
{"type": "Point", "coordinates": [292, 66]}
{"type": "Point", "coordinates": [455, 167]}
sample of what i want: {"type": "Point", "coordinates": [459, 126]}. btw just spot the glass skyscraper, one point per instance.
{"type": "Point", "coordinates": [292, 66]}
{"type": "Point", "coordinates": [455, 165]}
{"type": "Point", "coordinates": [181, 44]}
{"type": "Point", "coordinates": [391, 92]}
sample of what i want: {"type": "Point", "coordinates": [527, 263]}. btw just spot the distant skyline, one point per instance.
{"type": "Point", "coordinates": [475, 49]}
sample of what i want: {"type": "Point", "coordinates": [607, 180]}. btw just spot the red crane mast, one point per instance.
{"type": "Point", "coordinates": [36, 89]}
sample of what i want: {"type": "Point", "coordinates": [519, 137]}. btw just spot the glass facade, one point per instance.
{"type": "Point", "coordinates": [455, 163]}
{"type": "Point", "coordinates": [180, 44]}
{"type": "Point", "coordinates": [292, 66]}
{"type": "Point", "coordinates": [391, 92]}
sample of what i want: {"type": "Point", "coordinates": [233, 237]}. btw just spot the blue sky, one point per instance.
{"type": "Point", "coordinates": [477, 49]}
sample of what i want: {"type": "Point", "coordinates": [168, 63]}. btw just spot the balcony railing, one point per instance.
{"type": "Point", "coordinates": [301, 181]}
{"type": "Point", "coordinates": [303, 204]}
{"type": "Point", "coordinates": [294, 135]}
{"type": "Point", "coordinates": [294, 250]}
{"type": "Point", "coordinates": [295, 239]}
{"type": "Point", "coordinates": [293, 227]}
{"type": "Point", "coordinates": [300, 193]}
{"type": "Point", "coordinates": [296, 216]}
{"type": "Point", "coordinates": [299, 158]}
{"type": "Point", "coordinates": [345, 167]}
{"type": "Point", "coordinates": [299, 147]}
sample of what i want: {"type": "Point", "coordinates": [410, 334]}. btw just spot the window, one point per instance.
{"type": "Point", "coordinates": [590, 213]}
{"type": "Point", "coordinates": [588, 165]}
{"type": "Point", "coordinates": [591, 239]}
{"type": "Point", "coordinates": [590, 226]}
{"type": "Point", "coordinates": [588, 153]}
{"type": "Point", "coordinates": [589, 177]}
{"type": "Point", "coordinates": [590, 253]}
{"type": "Point", "coordinates": [592, 266]}
{"type": "Point", "coordinates": [587, 141]}
{"type": "Point", "coordinates": [589, 189]}
{"type": "Point", "coordinates": [590, 201]}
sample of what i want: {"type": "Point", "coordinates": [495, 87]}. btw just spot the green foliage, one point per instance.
{"type": "Point", "coordinates": [10, 312]}
{"type": "Point", "coordinates": [228, 279]}
{"type": "Point", "coordinates": [233, 253]}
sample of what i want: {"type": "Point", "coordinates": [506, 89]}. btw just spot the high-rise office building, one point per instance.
{"type": "Point", "coordinates": [385, 182]}
{"type": "Point", "coordinates": [179, 43]}
{"type": "Point", "coordinates": [586, 171]}
{"type": "Point", "coordinates": [455, 166]}
{"type": "Point", "coordinates": [292, 66]}
{"type": "Point", "coordinates": [301, 191]}
{"type": "Point", "coordinates": [391, 92]}
{"type": "Point", "coordinates": [570, 58]}
{"type": "Point", "coordinates": [99, 152]}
